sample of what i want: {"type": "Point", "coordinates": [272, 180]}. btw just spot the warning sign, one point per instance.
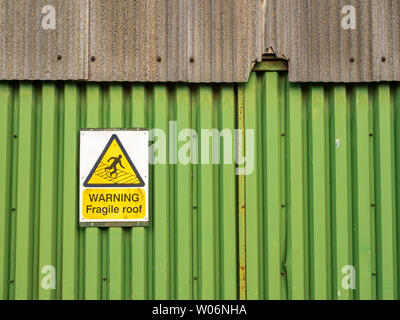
{"type": "Point", "coordinates": [114, 178]}
{"type": "Point", "coordinates": [103, 203]}
{"type": "Point", "coordinates": [114, 167]}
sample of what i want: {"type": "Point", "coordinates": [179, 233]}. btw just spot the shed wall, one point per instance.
{"type": "Point", "coordinates": [325, 190]}
{"type": "Point", "coordinates": [189, 249]}
{"type": "Point", "coordinates": [324, 193]}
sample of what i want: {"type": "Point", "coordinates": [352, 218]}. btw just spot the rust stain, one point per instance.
{"type": "Point", "coordinates": [242, 200]}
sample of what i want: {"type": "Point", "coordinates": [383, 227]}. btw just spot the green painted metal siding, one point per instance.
{"type": "Point", "coordinates": [188, 251]}
{"type": "Point", "coordinates": [325, 190]}
{"type": "Point", "coordinates": [323, 193]}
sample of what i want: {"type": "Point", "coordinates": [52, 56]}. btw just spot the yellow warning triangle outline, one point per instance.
{"type": "Point", "coordinates": [141, 182]}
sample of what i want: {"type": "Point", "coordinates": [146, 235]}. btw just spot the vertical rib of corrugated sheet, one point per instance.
{"type": "Point", "coordinates": [323, 196]}
{"type": "Point", "coordinates": [188, 251]}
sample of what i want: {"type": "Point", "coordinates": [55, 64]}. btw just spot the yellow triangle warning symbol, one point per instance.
{"type": "Point", "coordinates": [114, 168]}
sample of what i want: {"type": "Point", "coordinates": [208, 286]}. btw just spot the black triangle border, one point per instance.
{"type": "Point", "coordinates": [114, 137]}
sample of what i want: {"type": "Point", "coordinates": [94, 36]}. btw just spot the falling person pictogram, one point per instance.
{"type": "Point", "coordinates": [114, 167]}
{"type": "Point", "coordinates": [116, 161]}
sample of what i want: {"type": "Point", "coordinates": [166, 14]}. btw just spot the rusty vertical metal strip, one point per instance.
{"type": "Point", "coordinates": [241, 193]}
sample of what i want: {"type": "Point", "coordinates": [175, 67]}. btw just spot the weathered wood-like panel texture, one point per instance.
{"type": "Point", "coordinates": [200, 41]}
{"type": "Point", "coordinates": [174, 40]}
{"type": "Point", "coordinates": [311, 36]}
{"type": "Point", "coordinates": [30, 52]}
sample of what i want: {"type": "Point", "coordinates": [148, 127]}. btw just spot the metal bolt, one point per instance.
{"type": "Point", "coordinates": [158, 59]}
{"type": "Point", "coordinates": [383, 59]}
{"type": "Point", "coordinates": [191, 59]}
{"type": "Point", "coordinates": [351, 59]}
{"type": "Point", "coordinates": [93, 58]}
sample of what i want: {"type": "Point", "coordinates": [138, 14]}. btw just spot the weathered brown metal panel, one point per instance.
{"type": "Point", "coordinates": [27, 51]}
{"type": "Point", "coordinates": [199, 41]}
{"type": "Point", "coordinates": [310, 35]}
{"type": "Point", "coordinates": [173, 40]}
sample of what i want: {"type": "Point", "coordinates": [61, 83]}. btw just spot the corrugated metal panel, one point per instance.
{"type": "Point", "coordinates": [309, 34]}
{"type": "Point", "coordinates": [27, 51]}
{"type": "Point", "coordinates": [155, 40]}
{"type": "Point", "coordinates": [189, 249]}
{"type": "Point", "coordinates": [325, 190]}
{"type": "Point", "coordinates": [141, 40]}
{"type": "Point", "coordinates": [199, 41]}
{"type": "Point", "coordinates": [323, 193]}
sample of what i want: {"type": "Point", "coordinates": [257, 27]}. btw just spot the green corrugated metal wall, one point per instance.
{"type": "Point", "coordinates": [189, 250]}
{"type": "Point", "coordinates": [322, 194]}
{"type": "Point", "coordinates": [325, 190]}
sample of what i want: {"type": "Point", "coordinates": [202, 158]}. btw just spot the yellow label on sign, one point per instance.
{"type": "Point", "coordinates": [114, 168]}
{"type": "Point", "coordinates": [114, 204]}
